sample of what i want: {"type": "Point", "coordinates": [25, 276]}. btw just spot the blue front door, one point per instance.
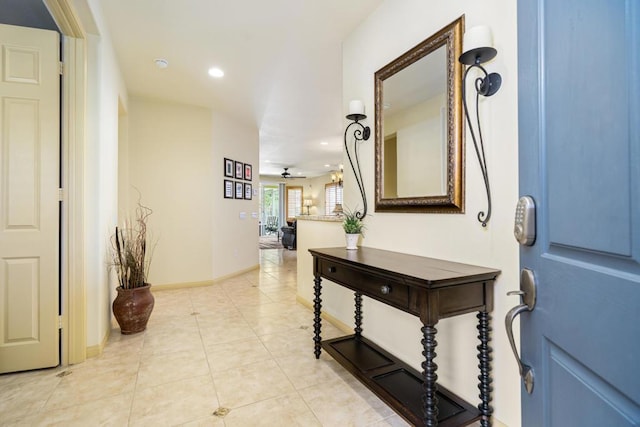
{"type": "Point", "coordinates": [579, 145]}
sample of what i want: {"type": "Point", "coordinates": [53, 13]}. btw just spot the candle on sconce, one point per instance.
{"type": "Point", "coordinates": [356, 107]}
{"type": "Point", "coordinates": [477, 37]}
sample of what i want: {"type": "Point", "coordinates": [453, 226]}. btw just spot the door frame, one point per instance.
{"type": "Point", "coordinates": [73, 344]}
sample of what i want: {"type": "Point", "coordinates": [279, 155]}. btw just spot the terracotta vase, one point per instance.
{"type": "Point", "coordinates": [132, 309]}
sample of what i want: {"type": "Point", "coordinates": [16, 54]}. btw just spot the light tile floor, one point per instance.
{"type": "Point", "coordinates": [244, 344]}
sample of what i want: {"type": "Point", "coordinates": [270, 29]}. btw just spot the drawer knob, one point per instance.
{"type": "Point", "coordinates": [385, 289]}
{"type": "Point", "coordinates": [332, 269]}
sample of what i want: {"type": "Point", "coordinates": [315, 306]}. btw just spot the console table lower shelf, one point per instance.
{"type": "Point", "coordinates": [395, 382]}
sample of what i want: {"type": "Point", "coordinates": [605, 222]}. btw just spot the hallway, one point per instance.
{"type": "Point", "coordinates": [244, 344]}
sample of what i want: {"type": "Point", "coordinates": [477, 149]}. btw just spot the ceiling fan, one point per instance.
{"type": "Point", "coordinates": [287, 175]}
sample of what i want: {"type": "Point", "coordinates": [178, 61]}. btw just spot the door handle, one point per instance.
{"type": "Point", "coordinates": [527, 294]}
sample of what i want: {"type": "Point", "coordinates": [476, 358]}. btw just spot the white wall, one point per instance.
{"type": "Point", "coordinates": [235, 222]}
{"type": "Point", "coordinates": [395, 27]}
{"type": "Point", "coordinates": [105, 90]}
{"type": "Point", "coordinates": [124, 189]}
{"type": "Point", "coordinates": [175, 160]}
{"type": "Point", "coordinates": [169, 162]}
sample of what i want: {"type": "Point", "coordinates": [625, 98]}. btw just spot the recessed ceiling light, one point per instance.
{"type": "Point", "coordinates": [327, 166]}
{"type": "Point", "coordinates": [161, 63]}
{"type": "Point", "coordinates": [324, 143]}
{"type": "Point", "coordinates": [216, 72]}
{"type": "Point", "coordinates": [267, 161]}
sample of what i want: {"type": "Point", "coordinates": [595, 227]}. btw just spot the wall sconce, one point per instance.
{"type": "Point", "coordinates": [337, 176]}
{"type": "Point", "coordinates": [307, 204]}
{"type": "Point", "coordinates": [360, 133]}
{"type": "Point", "coordinates": [478, 50]}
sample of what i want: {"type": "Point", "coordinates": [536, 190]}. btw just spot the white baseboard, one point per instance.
{"type": "Point", "coordinates": [185, 285]}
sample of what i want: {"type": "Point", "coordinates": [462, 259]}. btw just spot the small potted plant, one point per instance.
{"type": "Point", "coordinates": [134, 302]}
{"type": "Point", "coordinates": [353, 228]}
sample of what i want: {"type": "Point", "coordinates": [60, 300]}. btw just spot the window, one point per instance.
{"type": "Point", "coordinates": [269, 207]}
{"type": "Point", "coordinates": [293, 202]}
{"type": "Point", "coordinates": [332, 196]}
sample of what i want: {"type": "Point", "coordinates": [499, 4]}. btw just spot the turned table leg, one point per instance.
{"type": "Point", "coordinates": [317, 305]}
{"type": "Point", "coordinates": [429, 376]}
{"type": "Point", "coordinates": [358, 317]}
{"type": "Point", "coordinates": [484, 356]}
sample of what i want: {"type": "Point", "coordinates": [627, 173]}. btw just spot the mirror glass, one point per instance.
{"type": "Point", "coordinates": [419, 148]}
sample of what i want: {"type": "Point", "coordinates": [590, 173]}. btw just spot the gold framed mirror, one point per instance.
{"type": "Point", "coordinates": [419, 136]}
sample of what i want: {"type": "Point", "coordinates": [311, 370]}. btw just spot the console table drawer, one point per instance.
{"type": "Point", "coordinates": [381, 288]}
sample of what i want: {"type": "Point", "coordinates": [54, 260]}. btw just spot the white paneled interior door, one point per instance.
{"type": "Point", "coordinates": [29, 181]}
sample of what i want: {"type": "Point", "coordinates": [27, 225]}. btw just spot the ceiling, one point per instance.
{"type": "Point", "coordinates": [282, 61]}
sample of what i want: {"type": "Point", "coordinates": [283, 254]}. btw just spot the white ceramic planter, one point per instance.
{"type": "Point", "coordinates": [352, 241]}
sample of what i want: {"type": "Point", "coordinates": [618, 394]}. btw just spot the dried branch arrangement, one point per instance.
{"type": "Point", "coordinates": [129, 252]}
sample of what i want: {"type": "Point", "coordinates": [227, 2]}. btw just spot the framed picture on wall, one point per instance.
{"type": "Point", "coordinates": [228, 168]}
{"type": "Point", "coordinates": [228, 189]}
{"type": "Point", "coordinates": [247, 191]}
{"type": "Point", "coordinates": [247, 172]}
{"type": "Point", "coordinates": [239, 170]}
{"type": "Point", "coordinates": [239, 190]}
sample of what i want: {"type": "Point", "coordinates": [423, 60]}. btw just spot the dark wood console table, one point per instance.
{"type": "Point", "coordinates": [431, 289]}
